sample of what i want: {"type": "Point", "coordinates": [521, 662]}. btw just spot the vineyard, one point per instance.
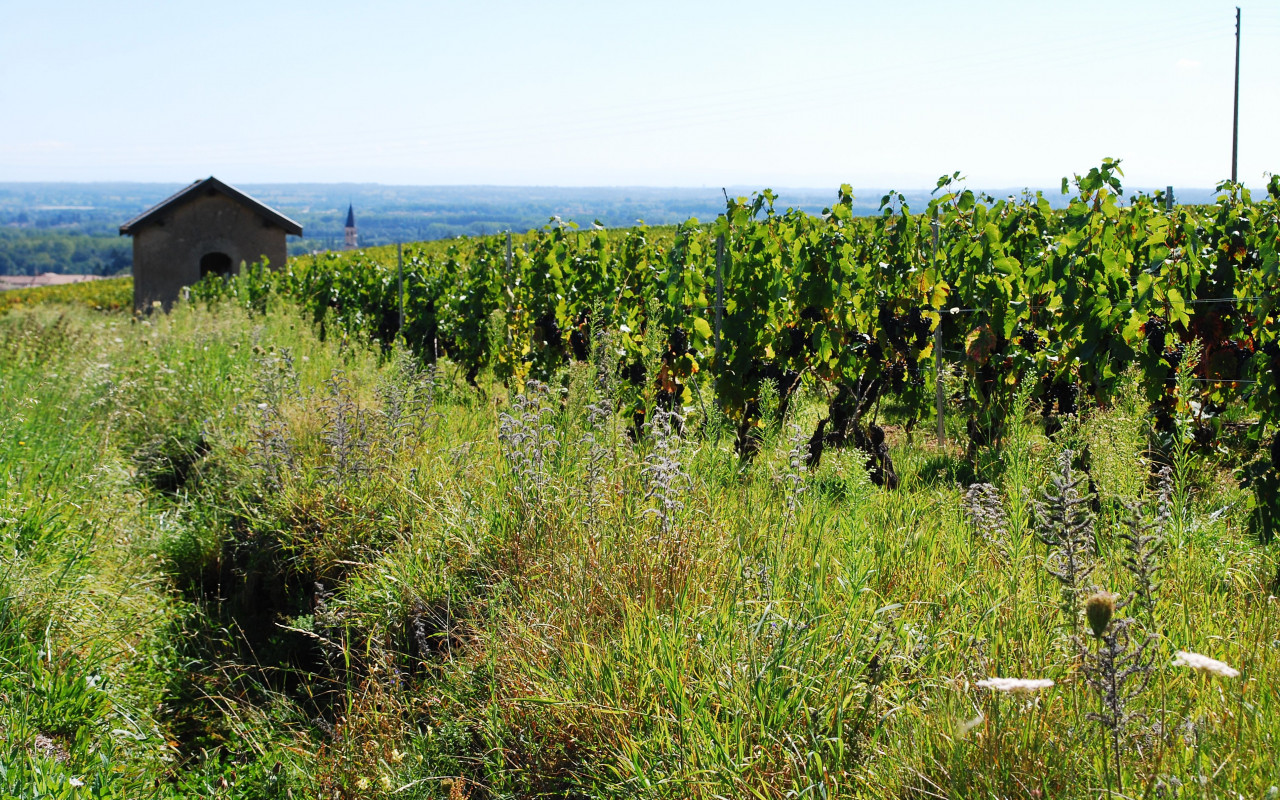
{"type": "Point", "coordinates": [971, 500]}
{"type": "Point", "coordinates": [716, 318]}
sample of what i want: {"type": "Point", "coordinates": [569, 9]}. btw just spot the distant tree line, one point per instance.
{"type": "Point", "coordinates": [32, 252]}
{"type": "Point", "coordinates": [72, 228]}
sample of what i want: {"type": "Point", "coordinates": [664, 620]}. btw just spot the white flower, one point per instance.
{"type": "Point", "coordinates": [1205, 665]}
{"type": "Point", "coordinates": [969, 724]}
{"type": "Point", "coordinates": [1016, 685]}
{"type": "Point", "coordinates": [76, 782]}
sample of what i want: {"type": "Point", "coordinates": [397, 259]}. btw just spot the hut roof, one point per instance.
{"type": "Point", "coordinates": [211, 185]}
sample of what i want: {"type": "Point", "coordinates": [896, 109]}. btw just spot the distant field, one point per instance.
{"type": "Point", "coordinates": [46, 279]}
{"type": "Point", "coordinates": [110, 294]}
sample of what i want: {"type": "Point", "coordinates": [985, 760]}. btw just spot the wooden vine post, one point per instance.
{"type": "Point", "coordinates": [400, 284]}
{"type": "Point", "coordinates": [937, 351]}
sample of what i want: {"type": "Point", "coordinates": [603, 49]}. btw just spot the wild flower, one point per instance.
{"type": "Point", "coordinates": [1144, 542]}
{"type": "Point", "coordinates": [985, 512]}
{"type": "Point", "coordinates": [1117, 669]}
{"type": "Point", "coordinates": [1065, 524]}
{"type": "Point", "coordinates": [328, 623]}
{"type": "Point", "coordinates": [346, 431]}
{"type": "Point", "coordinates": [603, 343]}
{"type": "Point", "coordinates": [964, 726]}
{"type": "Point", "coordinates": [663, 472]}
{"type": "Point", "coordinates": [599, 450]}
{"type": "Point", "coordinates": [528, 439]}
{"type": "Point", "coordinates": [275, 381]}
{"type": "Point", "coordinates": [1015, 685]}
{"type": "Point", "coordinates": [793, 474]}
{"type": "Point", "coordinates": [1205, 665]}
{"type": "Point", "coordinates": [1098, 610]}
{"type": "Point", "coordinates": [407, 395]}
{"type": "Point", "coordinates": [757, 578]}
{"type": "Point", "coordinates": [272, 453]}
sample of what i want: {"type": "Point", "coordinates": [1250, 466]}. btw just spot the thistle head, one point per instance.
{"type": "Point", "coordinates": [1098, 609]}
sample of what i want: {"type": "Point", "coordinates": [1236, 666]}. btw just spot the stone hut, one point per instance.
{"type": "Point", "coordinates": [207, 228]}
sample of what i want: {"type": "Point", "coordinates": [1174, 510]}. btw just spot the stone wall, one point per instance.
{"type": "Point", "coordinates": [167, 251]}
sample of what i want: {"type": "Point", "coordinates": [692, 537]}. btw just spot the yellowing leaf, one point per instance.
{"type": "Point", "coordinates": [702, 327]}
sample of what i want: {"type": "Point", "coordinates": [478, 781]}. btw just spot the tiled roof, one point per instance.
{"type": "Point", "coordinates": [211, 184]}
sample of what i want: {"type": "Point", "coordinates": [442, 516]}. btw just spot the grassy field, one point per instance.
{"type": "Point", "coordinates": [239, 561]}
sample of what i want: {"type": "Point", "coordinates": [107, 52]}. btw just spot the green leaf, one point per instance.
{"type": "Point", "coordinates": [1145, 280]}
{"type": "Point", "coordinates": [702, 327]}
{"type": "Point", "coordinates": [1178, 307]}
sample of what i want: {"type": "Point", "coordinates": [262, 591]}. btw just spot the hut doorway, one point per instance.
{"type": "Point", "coordinates": [215, 263]}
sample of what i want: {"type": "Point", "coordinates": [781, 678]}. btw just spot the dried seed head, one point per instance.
{"type": "Point", "coordinates": [1098, 610]}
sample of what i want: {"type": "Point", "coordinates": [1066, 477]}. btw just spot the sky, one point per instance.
{"type": "Point", "coordinates": [694, 93]}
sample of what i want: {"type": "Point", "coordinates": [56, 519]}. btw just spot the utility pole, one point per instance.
{"type": "Point", "coordinates": [1235, 116]}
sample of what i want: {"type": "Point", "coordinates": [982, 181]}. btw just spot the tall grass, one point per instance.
{"type": "Point", "coordinates": [288, 567]}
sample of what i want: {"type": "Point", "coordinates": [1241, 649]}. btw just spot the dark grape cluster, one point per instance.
{"type": "Point", "coordinates": [792, 343]}
{"type": "Point", "coordinates": [1066, 394]}
{"type": "Point", "coordinates": [1162, 411]}
{"type": "Point", "coordinates": [917, 324]}
{"type": "Point", "coordinates": [907, 330]}
{"type": "Point", "coordinates": [898, 375]}
{"type": "Point", "coordinates": [1156, 329]}
{"type": "Point", "coordinates": [864, 342]}
{"type": "Point", "coordinates": [1173, 355]}
{"type": "Point", "coordinates": [549, 330]}
{"type": "Point", "coordinates": [1227, 362]}
{"type": "Point", "coordinates": [633, 373]}
{"type": "Point", "coordinates": [903, 373]}
{"type": "Point", "coordinates": [580, 340]}
{"type": "Point", "coordinates": [1061, 394]}
{"type": "Point", "coordinates": [1028, 339]}
{"type": "Point", "coordinates": [678, 341]}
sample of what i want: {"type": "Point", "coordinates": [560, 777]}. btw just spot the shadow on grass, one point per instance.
{"type": "Point", "coordinates": [944, 470]}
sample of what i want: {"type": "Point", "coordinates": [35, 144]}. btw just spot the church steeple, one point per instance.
{"type": "Point", "coordinates": [349, 239]}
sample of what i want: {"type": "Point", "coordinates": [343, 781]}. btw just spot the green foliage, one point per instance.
{"type": "Point", "coordinates": [1065, 301]}
{"type": "Point", "coordinates": [33, 252]}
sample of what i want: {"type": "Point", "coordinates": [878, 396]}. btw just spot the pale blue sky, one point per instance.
{"type": "Point", "coordinates": [656, 93]}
